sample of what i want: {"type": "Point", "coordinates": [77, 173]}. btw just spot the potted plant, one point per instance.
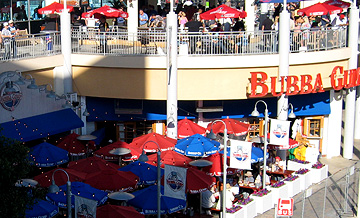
{"type": "Point", "coordinates": [294, 184]}
{"type": "Point", "coordinates": [263, 200]}
{"type": "Point", "coordinates": [296, 164]}
{"type": "Point", "coordinates": [320, 172]}
{"type": "Point", "coordinates": [249, 207]}
{"type": "Point", "coordinates": [305, 178]}
{"type": "Point", "coordinates": [279, 189]}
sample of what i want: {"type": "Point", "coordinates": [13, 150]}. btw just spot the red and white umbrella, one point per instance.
{"type": "Point", "coordinates": [110, 211]}
{"type": "Point", "coordinates": [74, 146]}
{"type": "Point", "coordinates": [104, 152]}
{"type": "Point", "coordinates": [45, 179]}
{"type": "Point", "coordinates": [222, 11]}
{"type": "Point", "coordinates": [54, 8]}
{"type": "Point", "coordinates": [106, 11]}
{"type": "Point", "coordinates": [188, 128]}
{"type": "Point", "coordinates": [91, 165]}
{"type": "Point", "coordinates": [235, 127]}
{"type": "Point", "coordinates": [164, 142]}
{"type": "Point", "coordinates": [319, 9]}
{"type": "Point", "coordinates": [338, 3]}
{"type": "Point", "coordinates": [112, 180]}
{"type": "Point", "coordinates": [170, 157]}
{"type": "Point", "coordinates": [216, 169]}
{"type": "Point", "coordinates": [198, 181]}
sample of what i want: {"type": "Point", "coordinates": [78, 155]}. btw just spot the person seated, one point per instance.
{"type": "Point", "coordinates": [259, 179]}
{"type": "Point", "coordinates": [208, 200]}
{"type": "Point", "coordinates": [278, 164]}
{"type": "Point", "coordinates": [249, 178]}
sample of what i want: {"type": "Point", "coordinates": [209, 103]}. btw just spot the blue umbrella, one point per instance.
{"type": "Point", "coordinates": [48, 155]}
{"type": "Point", "coordinates": [197, 146]}
{"type": "Point", "coordinates": [80, 189]}
{"type": "Point", "coordinates": [42, 208]}
{"type": "Point", "coordinates": [147, 173]}
{"type": "Point", "coordinates": [257, 154]}
{"type": "Point", "coordinates": [146, 200]}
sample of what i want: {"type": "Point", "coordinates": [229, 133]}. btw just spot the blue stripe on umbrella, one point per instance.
{"type": "Point", "coordinates": [197, 146]}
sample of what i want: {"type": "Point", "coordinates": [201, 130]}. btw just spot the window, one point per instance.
{"type": "Point", "coordinates": [313, 127]}
{"type": "Point", "coordinates": [129, 130]}
{"type": "Point", "coordinates": [256, 128]}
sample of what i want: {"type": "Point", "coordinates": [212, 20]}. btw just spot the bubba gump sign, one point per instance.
{"type": "Point", "coordinates": [303, 84]}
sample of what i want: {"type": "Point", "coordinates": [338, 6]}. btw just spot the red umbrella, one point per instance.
{"type": "Point", "coordinates": [106, 11]}
{"type": "Point", "coordinates": [74, 146]}
{"type": "Point", "coordinates": [233, 127]}
{"type": "Point", "coordinates": [54, 8]}
{"type": "Point", "coordinates": [319, 9]}
{"type": "Point", "coordinates": [338, 3]}
{"type": "Point", "coordinates": [216, 169]}
{"type": "Point", "coordinates": [104, 152]}
{"type": "Point", "coordinates": [222, 11]}
{"type": "Point", "coordinates": [198, 181]}
{"type": "Point", "coordinates": [110, 211]}
{"type": "Point", "coordinates": [170, 158]}
{"type": "Point", "coordinates": [112, 180]}
{"type": "Point", "coordinates": [188, 128]}
{"type": "Point", "coordinates": [60, 178]}
{"type": "Point", "coordinates": [164, 142]}
{"type": "Point", "coordinates": [91, 165]}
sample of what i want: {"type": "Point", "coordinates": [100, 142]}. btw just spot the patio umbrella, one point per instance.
{"type": "Point", "coordinates": [165, 143]}
{"type": "Point", "coordinates": [170, 158]}
{"type": "Point", "coordinates": [42, 209]}
{"type": "Point", "coordinates": [222, 11]}
{"type": "Point", "coordinates": [106, 11]}
{"type": "Point", "coordinates": [112, 180]}
{"type": "Point", "coordinates": [146, 201]}
{"type": "Point", "coordinates": [216, 169]}
{"type": "Point", "coordinates": [188, 128]}
{"type": "Point", "coordinates": [79, 189]}
{"type": "Point", "coordinates": [198, 181]}
{"type": "Point", "coordinates": [54, 8]}
{"type": "Point", "coordinates": [197, 146]}
{"type": "Point", "coordinates": [104, 152]}
{"type": "Point", "coordinates": [319, 9]}
{"type": "Point", "coordinates": [74, 146]}
{"type": "Point", "coordinates": [111, 211]}
{"type": "Point", "coordinates": [147, 173]}
{"type": "Point", "coordinates": [235, 127]}
{"type": "Point", "coordinates": [338, 3]}
{"type": "Point", "coordinates": [92, 165]}
{"type": "Point", "coordinates": [60, 178]}
{"type": "Point", "coordinates": [47, 155]}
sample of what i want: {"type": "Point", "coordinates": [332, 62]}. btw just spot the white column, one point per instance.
{"type": "Point", "coordinates": [82, 110]}
{"type": "Point", "coordinates": [200, 104]}
{"type": "Point", "coordinates": [333, 140]}
{"type": "Point", "coordinates": [351, 92]}
{"type": "Point", "coordinates": [66, 50]}
{"type": "Point", "coordinates": [133, 19]}
{"type": "Point", "coordinates": [171, 103]}
{"type": "Point", "coordinates": [250, 19]}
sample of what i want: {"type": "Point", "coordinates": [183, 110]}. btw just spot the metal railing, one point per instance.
{"type": "Point", "coordinates": [154, 42]}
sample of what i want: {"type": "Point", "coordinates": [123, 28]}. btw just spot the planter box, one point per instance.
{"type": "Point", "coordinates": [319, 174]}
{"type": "Point", "coordinates": [292, 165]}
{"type": "Point", "coordinates": [305, 180]}
{"type": "Point", "coordinates": [250, 209]}
{"type": "Point", "coordinates": [238, 214]}
{"type": "Point", "coordinates": [263, 203]}
{"type": "Point", "coordinates": [294, 187]}
{"type": "Point", "coordinates": [281, 192]}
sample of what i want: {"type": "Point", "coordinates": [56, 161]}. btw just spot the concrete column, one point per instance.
{"type": "Point", "coordinates": [200, 104]}
{"type": "Point", "coordinates": [351, 92]}
{"type": "Point", "coordinates": [66, 50]}
{"type": "Point", "coordinates": [171, 103]}
{"type": "Point", "coordinates": [333, 141]}
{"type": "Point", "coordinates": [133, 19]}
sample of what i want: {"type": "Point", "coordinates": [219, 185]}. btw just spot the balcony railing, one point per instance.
{"type": "Point", "coordinates": [154, 42]}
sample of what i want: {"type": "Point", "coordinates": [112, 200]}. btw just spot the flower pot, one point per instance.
{"type": "Point", "coordinates": [250, 209]}
{"type": "Point", "coordinates": [294, 187]}
{"type": "Point", "coordinates": [238, 214]}
{"type": "Point", "coordinates": [319, 174]}
{"type": "Point", "coordinates": [281, 192]}
{"type": "Point", "coordinates": [263, 203]}
{"type": "Point", "coordinates": [292, 165]}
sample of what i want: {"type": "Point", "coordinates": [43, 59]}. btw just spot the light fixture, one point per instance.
{"type": "Point", "coordinates": [67, 104]}
{"type": "Point", "coordinates": [50, 93]}
{"type": "Point", "coordinates": [256, 113]}
{"type": "Point", "coordinates": [292, 114]}
{"type": "Point", "coordinates": [53, 188]}
{"type": "Point", "coordinates": [20, 81]}
{"type": "Point", "coordinates": [86, 113]}
{"type": "Point", "coordinates": [9, 87]}
{"type": "Point", "coordinates": [32, 84]}
{"type": "Point", "coordinates": [171, 123]}
{"type": "Point", "coordinates": [143, 158]}
{"type": "Point", "coordinates": [211, 135]}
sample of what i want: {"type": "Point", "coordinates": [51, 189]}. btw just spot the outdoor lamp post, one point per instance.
{"type": "Point", "coordinates": [255, 113]}
{"type": "Point", "coordinates": [54, 188]}
{"type": "Point", "coordinates": [211, 135]}
{"type": "Point", "coordinates": [143, 158]}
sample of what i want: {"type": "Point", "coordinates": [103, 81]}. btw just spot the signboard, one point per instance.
{"type": "Point", "coordinates": [285, 207]}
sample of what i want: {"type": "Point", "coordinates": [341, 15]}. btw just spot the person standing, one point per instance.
{"type": "Point", "coordinates": [14, 32]}
{"type": "Point", "coordinates": [6, 36]}
{"type": "Point", "coordinates": [103, 28]}
{"type": "Point", "coordinates": [143, 18]}
{"type": "Point", "coordinates": [266, 29]}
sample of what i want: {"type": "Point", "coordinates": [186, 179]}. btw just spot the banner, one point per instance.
{"type": "Point", "coordinates": [240, 154]}
{"type": "Point", "coordinates": [175, 182]}
{"type": "Point", "coordinates": [279, 132]}
{"type": "Point", "coordinates": [85, 208]}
